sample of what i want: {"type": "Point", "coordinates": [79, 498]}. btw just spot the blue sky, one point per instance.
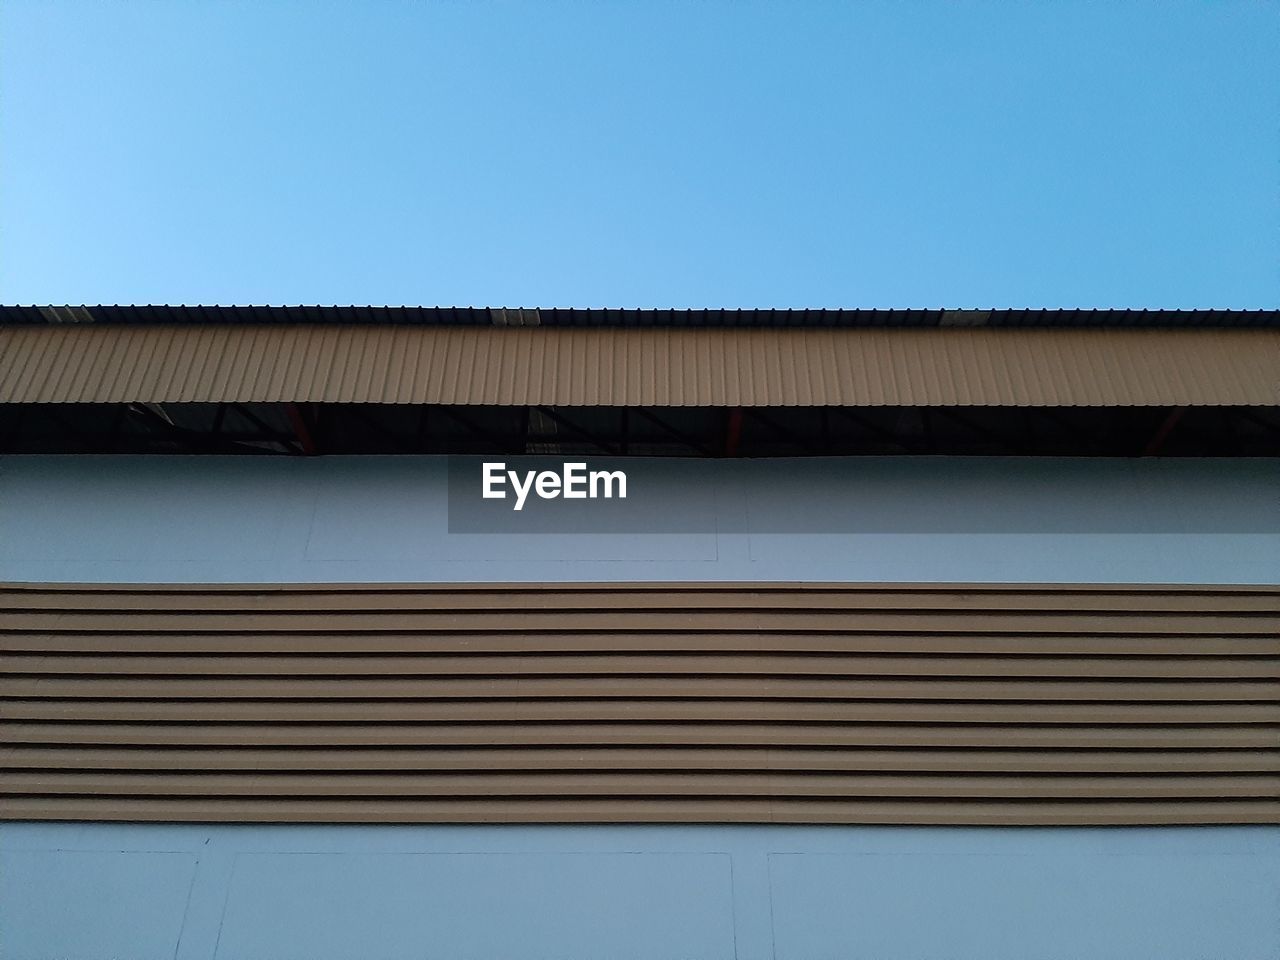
{"type": "Point", "coordinates": [641, 154]}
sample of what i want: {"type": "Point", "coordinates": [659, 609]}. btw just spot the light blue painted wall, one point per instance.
{"type": "Point", "coordinates": [81, 891]}
{"type": "Point", "coordinates": [76, 892]}
{"type": "Point", "coordinates": [236, 519]}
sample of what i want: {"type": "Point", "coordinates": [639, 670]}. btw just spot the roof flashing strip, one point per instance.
{"type": "Point", "coordinates": [1022, 318]}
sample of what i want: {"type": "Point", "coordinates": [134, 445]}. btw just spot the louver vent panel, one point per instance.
{"type": "Point", "coordinates": [641, 703]}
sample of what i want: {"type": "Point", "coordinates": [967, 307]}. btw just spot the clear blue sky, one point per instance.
{"type": "Point", "coordinates": [641, 154]}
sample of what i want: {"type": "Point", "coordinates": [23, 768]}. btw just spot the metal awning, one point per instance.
{"type": "Point", "coordinates": [649, 366]}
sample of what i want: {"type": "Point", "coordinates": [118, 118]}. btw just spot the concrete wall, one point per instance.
{"type": "Point", "coordinates": [81, 891]}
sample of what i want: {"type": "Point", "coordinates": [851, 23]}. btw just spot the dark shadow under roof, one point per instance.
{"type": "Point", "coordinates": [567, 317]}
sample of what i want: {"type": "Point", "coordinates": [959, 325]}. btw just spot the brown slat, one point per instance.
{"type": "Point", "coordinates": [692, 711]}
{"type": "Point", "coordinates": [590, 688]}
{"type": "Point", "coordinates": [502, 759]}
{"type": "Point", "coordinates": [1242, 737]}
{"type": "Point", "coordinates": [675, 642]}
{"type": "Point", "coordinates": [737, 810]}
{"type": "Point", "coordinates": [509, 784]}
{"type": "Point", "coordinates": [661, 620]}
{"type": "Point", "coordinates": [636, 597]}
{"type": "Point", "coordinates": [1185, 668]}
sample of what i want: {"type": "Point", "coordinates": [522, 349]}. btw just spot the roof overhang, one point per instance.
{"type": "Point", "coordinates": [567, 366]}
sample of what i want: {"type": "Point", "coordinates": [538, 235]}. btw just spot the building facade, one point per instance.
{"type": "Point", "coordinates": [919, 634]}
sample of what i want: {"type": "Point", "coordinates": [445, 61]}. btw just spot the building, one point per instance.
{"type": "Point", "coordinates": [945, 634]}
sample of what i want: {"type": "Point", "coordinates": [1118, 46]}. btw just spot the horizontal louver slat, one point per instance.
{"type": "Point", "coordinates": [610, 687]}
{"type": "Point", "coordinates": [646, 810]}
{"type": "Point", "coordinates": [310, 735]}
{"type": "Point", "coordinates": [548, 664]}
{"type": "Point", "coordinates": [490, 759]}
{"type": "Point", "coordinates": [618, 617]}
{"type": "Point", "coordinates": [675, 642]}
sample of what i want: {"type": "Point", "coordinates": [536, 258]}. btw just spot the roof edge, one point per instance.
{"type": "Point", "coordinates": [198, 315]}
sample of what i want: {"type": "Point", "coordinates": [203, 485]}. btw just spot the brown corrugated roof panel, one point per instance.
{"type": "Point", "coordinates": [652, 367]}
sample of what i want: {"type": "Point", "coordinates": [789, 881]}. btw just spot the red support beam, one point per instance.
{"type": "Point", "coordinates": [1152, 448]}
{"type": "Point", "coordinates": [300, 429]}
{"type": "Point", "coordinates": [733, 432]}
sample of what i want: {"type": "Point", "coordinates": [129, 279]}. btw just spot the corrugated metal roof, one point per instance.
{"type": "Point", "coordinates": [643, 367]}
{"type": "Point", "coordinates": [556, 317]}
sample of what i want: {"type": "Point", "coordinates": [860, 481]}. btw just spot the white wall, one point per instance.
{"type": "Point", "coordinates": [351, 519]}
{"type": "Point", "coordinates": [75, 892]}
{"type": "Point", "coordinates": [93, 891]}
